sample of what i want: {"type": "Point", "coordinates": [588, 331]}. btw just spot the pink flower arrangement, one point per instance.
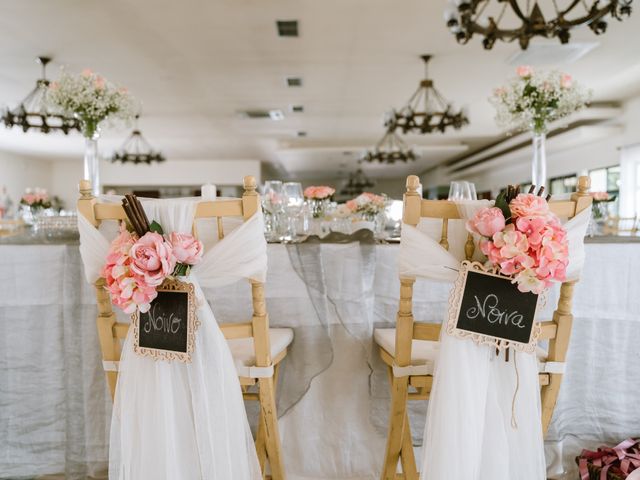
{"type": "Point", "coordinates": [319, 192]}
{"type": "Point", "coordinates": [524, 71]}
{"type": "Point", "coordinates": [35, 198]}
{"type": "Point", "coordinates": [367, 203]}
{"type": "Point", "coordinates": [530, 243]}
{"type": "Point", "coordinates": [135, 267]}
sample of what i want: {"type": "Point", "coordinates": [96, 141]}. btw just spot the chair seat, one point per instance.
{"type": "Point", "coordinates": [423, 352]}
{"type": "Point", "coordinates": [244, 355]}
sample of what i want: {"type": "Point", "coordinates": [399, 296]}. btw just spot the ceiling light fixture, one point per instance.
{"type": "Point", "coordinates": [357, 183]}
{"type": "Point", "coordinates": [137, 150]}
{"type": "Point", "coordinates": [294, 81]}
{"type": "Point", "coordinates": [390, 149]}
{"type": "Point", "coordinates": [509, 20]}
{"type": "Point", "coordinates": [33, 112]}
{"type": "Point", "coordinates": [426, 111]}
{"type": "Point", "coordinates": [287, 28]}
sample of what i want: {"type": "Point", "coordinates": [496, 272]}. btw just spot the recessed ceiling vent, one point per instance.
{"type": "Point", "coordinates": [297, 108]}
{"type": "Point", "coordinates": [294, 81]}
{"type": "Point", "coordinates": [287, 28]}
{"type": "Point", "coordinates": [551, 53]}
{"type": "Point", "coordinates": [262, 114]}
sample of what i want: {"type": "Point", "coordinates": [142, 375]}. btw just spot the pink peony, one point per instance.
{"type": "Point", "coordinates": [186, 249]}
{"type": "Point", "coordinates": [487, 222]}
{"type": "Point", "coordinates": [566, 81]}
{"type": "Point", "coordinates": [87, 72]}
{"type": "Point", "coordinates": [352, 205]}
{"type": "Point", "coordinates": [600, 196]}
{"type": "Point", "coordinates": [524, 71]}
{"type": "Point", "coordinates": [152, 258]}
{"type": "Point", "coordinates": [528, 205]}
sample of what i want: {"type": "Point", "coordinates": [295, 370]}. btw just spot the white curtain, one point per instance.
{"type": "Point", "coordinates": [184, 421]}
{"type": "Point", "coordinates": [629, 181]}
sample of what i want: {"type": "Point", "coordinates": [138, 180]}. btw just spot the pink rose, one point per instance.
{"type": "Point", "coordinates": [566, 81]}
{"type": "Point", "coordinates": [186, 249]}
{"type": "Point", "coordinates": [529, 205]}
{"type": "Point", "coordinates": [487, 222]}
{"type": "Point", "coordinates": [524, 71]}
{"type": "Point", "coordinates": [600, 196]}
{"type": "Point", "coordinates": [352, 205]}
{"type": "Point", "coordinates": [152, 258]}
{"type": "Point", "coordinates": [87, 72]}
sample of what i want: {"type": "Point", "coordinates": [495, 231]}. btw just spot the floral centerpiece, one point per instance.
{"type": "Point", "coordinates": [92, 100]}
{"type": "Point", "coordinates": [35, 199]}
{"type": "Point", "coordinates": [139, 261]}
{"type": "Point", "coordinates": [318, 197]}
{"type": "Point", "coordinates": [367, 203]}
{"type": "Point", "coordinates": [523, 238]}
{"type": "Point", "coordinates": [532, 100]}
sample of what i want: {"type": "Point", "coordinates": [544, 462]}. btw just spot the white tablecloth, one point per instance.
{"type": "Point", "coordinates": [333, 392]}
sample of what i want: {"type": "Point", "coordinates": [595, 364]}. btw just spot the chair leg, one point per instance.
{"type": "Point", "coordinates": [407, 457]}
{"type": "Point", "coordinates": [271, 432]}
{"type": "Point", "coordinates": [549, 397]}
{"type": "Point", "coordinates": [261, 447]}
{"type": "Point", "coordinates": [397, 415]}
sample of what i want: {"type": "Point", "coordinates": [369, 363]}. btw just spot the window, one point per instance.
{"type": "Point", "coordinates": [608, 180]}
{"type": "Point", "coordinates": [565, 184]}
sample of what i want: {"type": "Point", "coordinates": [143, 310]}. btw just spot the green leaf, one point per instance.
{"type": "Point", "coordinates": [156, 227]}
{"type": "Point", "coordinates": [501, 203]}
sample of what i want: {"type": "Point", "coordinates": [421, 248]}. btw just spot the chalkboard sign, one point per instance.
{"type": "Point", "coordinates": [167, 330]}
{"type": "Point", "coordinates": [488, 308]}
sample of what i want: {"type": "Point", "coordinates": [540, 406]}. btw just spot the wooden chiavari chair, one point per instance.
{"type": "Point", "coordinates": [257, 349]}
{"type": "Point", "coordinates": [410, 349]}
{"type": "Point", "coordinates": [616, 225]}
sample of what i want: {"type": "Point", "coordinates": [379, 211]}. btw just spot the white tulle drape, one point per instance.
{"type": "Point", "coordinates": [184, 421]}
{"type": "Point", "coordinates": [468, 434]}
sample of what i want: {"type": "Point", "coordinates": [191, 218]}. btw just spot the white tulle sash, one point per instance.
{"type": "Point", "coordinates": [469, 433]}
{"type": "Point", "coordinates": [177, 421]}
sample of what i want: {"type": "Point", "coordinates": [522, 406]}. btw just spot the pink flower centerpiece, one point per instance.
{"type": "Point", "coordinates": [137, 266]}
{"type": "Point", "coordinates": [367, 203]}
{"type": "Point", "coordinates": [35, 198]}
{"type": "Point", "coordinates": [319, 192]}
{"type": "Point", "coordinates": [523, 238]}
{"type": "Point", "coordinates": [318, 199]}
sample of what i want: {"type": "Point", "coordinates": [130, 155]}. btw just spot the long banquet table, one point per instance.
{"type": "Point", "coordinates": [333, 390]}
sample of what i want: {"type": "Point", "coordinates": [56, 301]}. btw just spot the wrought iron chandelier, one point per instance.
{"type": "Point", "coordinates": [136, 149]}
{"type": "Point", "coordinates": [33, 112]}
{"type": "Point", "coordinates": [509, 20]}
{"type": "Point", "coordinates": [358, 182]}
{"type": "Point", "coordinates": [426, 111]}
{"type": "Point", "coordinates": [390, 149]}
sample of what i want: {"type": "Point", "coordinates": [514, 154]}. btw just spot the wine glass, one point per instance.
{"type": "Point", "coordinates": [272, 200]}
{"type": "Point", "coordinates": [455, 191]}
{"type": "Point", "coordinates": [293, 203]}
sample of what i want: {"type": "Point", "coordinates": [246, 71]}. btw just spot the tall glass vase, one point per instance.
{"type": "Point", "coordinates": [92, 163]}
{"type": "Point", "coordinates": [539, 160]}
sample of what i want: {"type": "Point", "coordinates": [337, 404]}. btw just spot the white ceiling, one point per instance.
{"type": "Point", "coordinates": [194, 64]}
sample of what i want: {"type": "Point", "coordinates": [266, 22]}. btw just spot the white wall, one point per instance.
{"type": "Point", "coordinates": [66, 174]}
{"type": "Point", "coordinates": [18, 172]}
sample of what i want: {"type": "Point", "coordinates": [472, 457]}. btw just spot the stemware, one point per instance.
{"type": "Point", "coordinates": [272, 200]}
{"type": "Point", "coordinates": [293, 203]}
{"type": "Point", "coordinates": [462, 190]}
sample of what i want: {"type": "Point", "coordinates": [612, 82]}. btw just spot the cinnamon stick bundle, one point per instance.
{"type": "Point", "coordinates": [135, 213]}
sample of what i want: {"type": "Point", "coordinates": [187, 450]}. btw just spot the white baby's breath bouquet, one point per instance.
{"type": "Point", "coordinates": [533, 99]}
{"type": "Point", "coordinates": [91, 99]}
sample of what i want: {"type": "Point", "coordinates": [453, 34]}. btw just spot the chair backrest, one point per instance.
{"type": "Point", "coordinates": [616, 225]}
{"type": "Point", "coordinates": [111, 332]}
{"type": "Point", "coordinates": [557, 330]}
